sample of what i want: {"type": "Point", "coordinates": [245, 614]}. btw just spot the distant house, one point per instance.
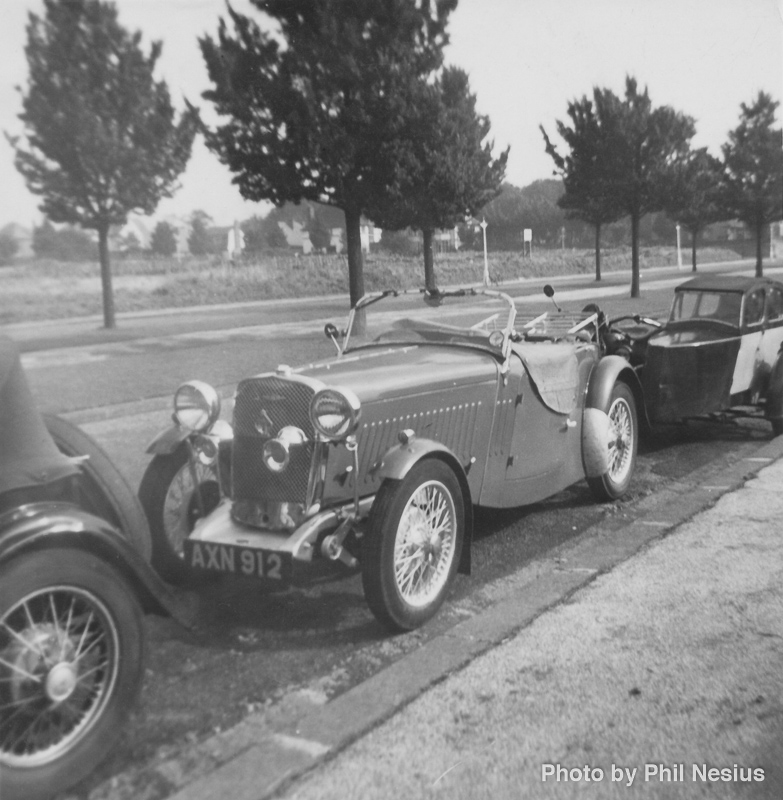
{"type": "Point", "coordinates": [776, 240]}
{"type": "Point", "coordinates": [296, 236]}
{"type": "Point", "coordinates": [23, 237]}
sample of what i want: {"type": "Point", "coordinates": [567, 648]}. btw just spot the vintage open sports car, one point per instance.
{"type": "Point", "coordinates": [434, 403]}
{"type": "Point", "coordinates": [718, 353]}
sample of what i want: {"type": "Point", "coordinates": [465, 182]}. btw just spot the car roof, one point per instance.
{"type": "Point", "coordinates": [726, 283]}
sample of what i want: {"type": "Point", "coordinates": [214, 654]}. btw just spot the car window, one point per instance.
{"type": "Point", "coordinates": [774, 304]}
{"type": "Point", "coordinates": [754, 307]}
{"type": "Point", "coordinates": [723, 306]}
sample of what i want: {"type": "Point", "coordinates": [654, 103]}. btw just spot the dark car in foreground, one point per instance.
{"type": "Point", "coordinates": [719, 352]}
{"type": "Point", "coordinates": [434, 403]}
{"type": "Point", "coordinates": [74, 583]}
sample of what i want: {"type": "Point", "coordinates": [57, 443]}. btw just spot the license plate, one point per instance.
{"type": "Point", "coordinates": [242, 561]}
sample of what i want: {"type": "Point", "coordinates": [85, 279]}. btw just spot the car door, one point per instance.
{"type": "Point", "coordinates": [750, 352]}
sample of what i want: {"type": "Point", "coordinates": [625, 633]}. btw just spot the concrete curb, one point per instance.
{"type": "Point", "coordinates": [261, 755]}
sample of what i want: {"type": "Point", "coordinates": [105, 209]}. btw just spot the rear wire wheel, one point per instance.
{"type": "Point", "coordinates": [622, 444]}
{"type": "Point", "coordinates": [71, 666]}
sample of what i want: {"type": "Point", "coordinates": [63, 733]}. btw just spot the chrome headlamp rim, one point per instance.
{"type": "Point", "coordinates": [350, 406]}
{"type": "Point", "coordinates": [196, 406]}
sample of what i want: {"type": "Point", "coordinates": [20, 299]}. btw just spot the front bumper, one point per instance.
{"type": "Point", "coordinates": [301, 544]}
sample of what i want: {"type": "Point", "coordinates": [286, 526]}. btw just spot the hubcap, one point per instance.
{"type": "Point", "coordinates": [424, 547]}
{"type": "Point", "coordinates": [60, 682]}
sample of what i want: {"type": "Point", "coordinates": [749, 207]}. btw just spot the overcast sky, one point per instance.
{"type": "Point", "coordinates": [526, 60]}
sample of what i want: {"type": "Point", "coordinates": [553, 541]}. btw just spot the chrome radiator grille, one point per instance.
{"type": "Point", "coordinates": [263, 406]}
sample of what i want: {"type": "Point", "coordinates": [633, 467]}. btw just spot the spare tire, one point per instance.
{"type": "Point", "coordinates": [102, 488]}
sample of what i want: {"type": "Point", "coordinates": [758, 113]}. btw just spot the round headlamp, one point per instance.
{"type": "Point", "coordinates": [196, 406]}
{"type": "Point", "coordinates": [335, 413]}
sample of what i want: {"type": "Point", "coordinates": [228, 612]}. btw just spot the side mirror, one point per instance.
{"type": "Point", "coordinates": [550, 293]}
{"type": "Point", "coordinates": [330, 330]}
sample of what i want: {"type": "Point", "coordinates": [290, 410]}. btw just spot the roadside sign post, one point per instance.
{"type": "Point", "coordinates": [679, 251]}
{"type": "Point", "coordinates": [527, 242]}
{"type": "Point", "coordinates": [486, 263]}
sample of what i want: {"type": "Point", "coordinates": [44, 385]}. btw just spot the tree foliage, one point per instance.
{"type": "Point", "coordinates": [318, 109]}
{"type": "Point", "coordinates": [200, 242]}
{"type": "Point", "coordinates": [585, 171]}
{"type": "Point", "coordinates": [632, 150]}
{"type": "Point", "coordinates": [753, 169]}
{"type": "Point", "coordinates": [8, 247]}
{"type": "Point", "coordinates": [100, 135]}
{"type": "Point", "coordinates": [163, 241]}
{"type": "Point", "coordinates": [695, 199]}
{"type": "Point", "coordinates": [63, 244]}
{"type": "Point", "coordinates": [447, 172]}
{"type": "Point", "coordinates": [534, 206]}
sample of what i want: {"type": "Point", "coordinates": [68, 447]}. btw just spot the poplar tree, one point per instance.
{"type": "Point", "coordinates": [315, 104]}
{"type": "Point", "coordinates": [447, 172]}
{"type": "Point", "coordinates": [101, 138]}
{"type": "Point", "coordinates": [753, 170]}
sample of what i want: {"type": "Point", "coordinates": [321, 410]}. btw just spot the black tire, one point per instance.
{"type": "Point", "coordinates": [777, 426]}
{"type": "Point", "coordinates": [171, 504]}
{"type": "Point", "coordinates": [87, 667]}
{"type": "Point", "coordinates": [614, 483]}
{"type": "Point", "coordinates": [103, 490]}
{"type": "Point", "coordinates": [396, 506]}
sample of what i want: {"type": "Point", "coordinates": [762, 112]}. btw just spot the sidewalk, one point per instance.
{"type": "Point", "coordinates": [669, 665]}
{"type": "Point", "coordinates": [654, 641]}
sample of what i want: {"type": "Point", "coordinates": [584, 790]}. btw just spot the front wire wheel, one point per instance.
{"type": "Point", "coordinates": [622, 444]}
{"type": "Point", "coordinates": [412, 550]}
{"type": "Point", "coordinates": [71, 664]}
{"type": "Point", "coordinates": [174, 502]}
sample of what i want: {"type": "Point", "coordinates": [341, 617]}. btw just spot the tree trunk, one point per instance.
{"type": "Point", "coordinates": [694, 234]}
{"type": "Point", "coordinates": [759, 254]}
{"type": "Point", "coordinates": [429, 267]}
{"type": "Point", "coordinates": [108, 291]}
{"type": "Point", "coordinates": [635, 219]}
{"type": "Point", "coordinates": [598, 251]}
{"type": "Point", "coordinates": [355, 259]}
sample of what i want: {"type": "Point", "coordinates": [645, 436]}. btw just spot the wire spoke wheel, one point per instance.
{"type": "Point", "coordinates": [182, 506]}
{"type": "Point", "coordinates": [58, 667]}
{"type": "Point", "coordinates": [71, 664]}
{"type": "Point", "coordinates": [175, 494]}
{"type": "Point", "coordinates": [413, 545]}
{"type": "Point", "coordinates": [621, 443]}
{"type": "Point", "coordinates": [425, 544]}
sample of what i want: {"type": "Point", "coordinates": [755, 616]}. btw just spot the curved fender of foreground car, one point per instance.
{"type": "Point", "coordinates": [398, 461]}
{"type": "Point", "coordinates": [39, 526]}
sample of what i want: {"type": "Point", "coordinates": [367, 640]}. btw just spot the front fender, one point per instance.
{"type": "Point", "coordinates": [398, 461]}
{"type": "Point", "coordinates": [602, 379]}
{"type": "Point", "coordinates": [39, 526]}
